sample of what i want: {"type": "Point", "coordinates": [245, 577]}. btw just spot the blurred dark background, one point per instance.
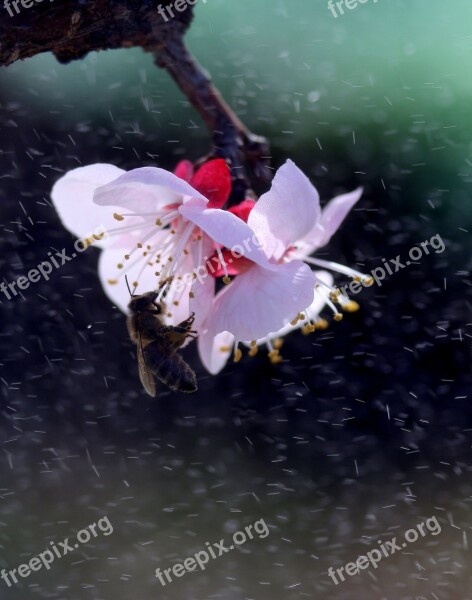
{"type": "Point", "coordinates": [364, 431]}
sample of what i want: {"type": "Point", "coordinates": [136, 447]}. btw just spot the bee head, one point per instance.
{"type": "Point", "coordinates": [145, 302]}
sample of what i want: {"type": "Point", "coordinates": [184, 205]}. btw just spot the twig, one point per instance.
{"type": "Point", "coordinates": [72, 28]}
{"type": "Point", "coordinates": [232, 140]}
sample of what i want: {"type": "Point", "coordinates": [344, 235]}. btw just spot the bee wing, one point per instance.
{"type": "Point", "coordinates": [145, 374]}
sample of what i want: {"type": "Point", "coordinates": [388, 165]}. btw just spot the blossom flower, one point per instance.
{"type": "Point", "coordinates": [290, 226]}
{"type": "Point", "coordinates": [162, 225]}
{"type": "Point", "coordinates": [158, 225]}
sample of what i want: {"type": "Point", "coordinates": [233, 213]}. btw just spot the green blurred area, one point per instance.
{"type": "Point", "coordinates": [383, 90]}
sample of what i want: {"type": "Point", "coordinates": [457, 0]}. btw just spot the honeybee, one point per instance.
{"type": "Point", "coordinates": [157, 344]}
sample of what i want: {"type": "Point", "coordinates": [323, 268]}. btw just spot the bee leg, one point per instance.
{"type": "Point", "coordinates": [163, 285]}
{"type": "Point", "coordinates": [178, 329]}
{"type": "Point", "coordinates": [187, 324]}
{"type": "Point", "coordinates": [175, 336]}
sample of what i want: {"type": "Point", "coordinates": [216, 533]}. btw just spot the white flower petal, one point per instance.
{"type": "Point", "coordinates": [114, 283]}
{"type": "Point", "coordinates": [287, 212]}
{"type": "Point", "coordinates": [226, 229]}
{"type": "Point", "coordinates": [72, 196]}
{"type": "Point", "coordinates": [259, 301]}
{"type": "Point", "coordinates": [214, 350]}
{"type": "Point", "coordinates": [332, 215]}
{"type": "Point", "coordinates": [145, 190]}
{"type": "Point", "coordinates": [311, 313]}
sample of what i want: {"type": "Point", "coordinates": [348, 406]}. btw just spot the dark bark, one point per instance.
{"type": "Point", "coordinates": [72, 28]}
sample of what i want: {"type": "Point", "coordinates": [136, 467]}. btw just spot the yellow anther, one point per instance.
{"type": "Point", "coordinates": [299, 317]}
{"type": "Point", "coordinates": [157, 274]}
{"type": "Point", "coordinates": [278, 343]}
{"type": "Point", "coordinates": [126, 256]}
{"type": "Point", "coordinates": [186, 252]}
{"type": "Point", "coordinates": [119, 265]}
{"type": "Point", "coordinates": [112, 281]}
{"type": "Point", "coordinates": [200, 237]}
{"type": "Point", "coordinates": [99, 237]}
{"type": "Point", "coordinates": [237, 355]}
{"type": "Point", "coordinates": [135, 284]}
{"type": "Point", "coordinates": [350, 306]}
{"type": "Point", "coordinates": [170, 259]}
{"type": "Point", "coordinates": [275, 357]}
{"type": "Point", "coordinates": [226, 280]}
{"type": "Point", "coordinates": [173, 232]}
{"type": "Point", "coordinates": [334, 295]}
{"type": "Point", "coordinates": [158, 222]}
{"type": "Point", "coordinates": [191, 295]}
{"type": "Point", "coordinates": [338, 317]}
{"type": "Point", "coordinates": [368, 281]}
{"type": "Point", "coordinates": [139, 245]}
{"type": "Point", "coordinates": [118, 217]}
{"type": "Point", "coordinates": [253, 343]}
{"type": "Point", "coordinates": [253, 351]}
{"type": "Point", "coordinates": [308, 328]}
{"type": "Point", "coordinates": [321, 324]}
{"type": "Point", "coordinates": [176, 303]}
{"type": "Point", "coordinates": [225, 348]}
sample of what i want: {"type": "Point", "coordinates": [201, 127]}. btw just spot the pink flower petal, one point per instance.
{"type": "Point", "coordinates": [184, 170]}
{"type": "Point", "coordinates": [287, 212]}
{"type": "Point", "coordinates": [72, 196]}
{"type": "Point", "coordinates": [311, 313]}
{"type": "Point", "coordinates": [226, 229]}
{"type": "Point", "coordinates": [260, 301]}
{"type": "Point", "coordinates": [332, 215]}
{"type": "Point", "coordinates": [203, 287]}
{"type": "Point", "coordinates": [145, 190]}
{"type": "Point", "coordinates": [243, 209]}
{"type": "Point", "coordinates": [234, 265]}
{"type": "Point", "coordinates": [201, 303]}
{"type": "Point", "coordinates": [213, 180]}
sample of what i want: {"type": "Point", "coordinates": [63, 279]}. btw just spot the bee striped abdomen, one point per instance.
{"type": "Point", "coordinates": [173, 371]}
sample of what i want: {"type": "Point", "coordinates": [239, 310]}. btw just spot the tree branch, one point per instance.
{"type": "Point", "coordinates": [232, 139]}
{"type": "Point", "coordinates": [72, 28]}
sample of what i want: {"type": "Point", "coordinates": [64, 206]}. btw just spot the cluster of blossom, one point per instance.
{"type": "Point", "coordinates": [163, 226]}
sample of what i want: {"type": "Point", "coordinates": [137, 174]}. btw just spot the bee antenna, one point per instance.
{"type": "Point", "coordinates": [127, 285]}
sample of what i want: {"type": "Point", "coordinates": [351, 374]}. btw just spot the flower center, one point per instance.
{"type": "Point", "coordinates": [164, 246]}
